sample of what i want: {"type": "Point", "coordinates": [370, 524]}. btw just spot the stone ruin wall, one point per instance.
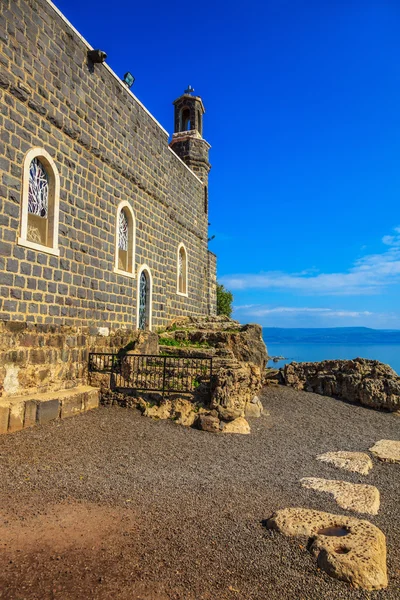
{"type": "Point", "coordinates": [36, 359]}
{"type": "Point", "coordinates": [239, 357]}
{"type": "Point", "coordinates": [107, 148]}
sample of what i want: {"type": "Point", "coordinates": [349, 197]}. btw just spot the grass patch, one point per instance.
{"type": "Point", "coordinates": [164, 341]}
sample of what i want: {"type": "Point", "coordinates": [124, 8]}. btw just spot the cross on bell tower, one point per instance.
{"type": "Point", "coordinates": [187, 140]}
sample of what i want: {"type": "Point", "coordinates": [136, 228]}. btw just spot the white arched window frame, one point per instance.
{"type": "Point", "coordinates": [53, 203]}
{"type": "Point", "coordinates": [182, 271]}
{"type": "Point", "coordinates": [144, 268]}
{"type": "Point", "coordinates": [127, 267]}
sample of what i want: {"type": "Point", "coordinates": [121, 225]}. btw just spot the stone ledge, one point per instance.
{"type": "Point", "coordinates": [21, 412]}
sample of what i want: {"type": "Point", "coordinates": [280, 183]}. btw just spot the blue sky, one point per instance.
{"type": "Point", "coordinates": [303, 115]}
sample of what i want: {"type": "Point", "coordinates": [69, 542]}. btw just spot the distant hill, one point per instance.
{"type": "Point", "coordinates": [334, 335]}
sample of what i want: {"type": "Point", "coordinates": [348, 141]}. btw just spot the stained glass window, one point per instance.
{"type": "Point", "coordinates": [143, 301]}
{"type": "Point", "coordinates": [38, 195]}
{"type": "Point", "coordinates": [182, 271]}
{"type": "Point", "coordinates": [123, 231]}
{"type": "Point", "coordinates": [180, 264]}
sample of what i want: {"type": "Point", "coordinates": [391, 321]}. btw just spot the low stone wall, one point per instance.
{"type": "Point", "coordinates": [368, 382]}
{"type": "Point", "coordinates": [38, 363]}
{"type": "Point", "coordinates": [20, 412]}
{"type": "Point", "coordinates": [44, 358]}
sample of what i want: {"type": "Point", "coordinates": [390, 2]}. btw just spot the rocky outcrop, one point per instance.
{"type": "Point", "coordinates": [273, 376]}
{"type": "Point", "coordinates": [238, 357]}
{"type": "Point", "coordinates": [368, 382]}
{"type": "Point", "coordinates": [346, 548]}
{"type": "Point", "coordinates": [230, 339]}
{"type": "Point", "coordinates": [236, 384]}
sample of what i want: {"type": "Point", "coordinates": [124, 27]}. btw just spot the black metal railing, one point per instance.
{"type": "Point", "coordinates": [154, 373]}
{"type": "Point", "coordinates": [102, 362]}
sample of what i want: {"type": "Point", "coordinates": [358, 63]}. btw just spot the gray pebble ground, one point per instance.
{"type": "Point", "coordinates": [111, 504]}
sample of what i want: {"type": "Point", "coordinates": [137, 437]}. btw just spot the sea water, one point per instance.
{"type": "Point", "coordinates": [312, 352]}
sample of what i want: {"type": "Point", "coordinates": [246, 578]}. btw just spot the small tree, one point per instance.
{"type": "Point", "coordinates": [224, 301]}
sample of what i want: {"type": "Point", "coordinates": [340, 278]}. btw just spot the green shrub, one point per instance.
{"type": "Point", "coordinates": [224, 301]}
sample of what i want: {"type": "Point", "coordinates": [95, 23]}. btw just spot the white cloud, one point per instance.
{"type": "Point", "coordinates": [368, 275]}
{"type": "Point", "coordinates": [257, 310]}
{"type": "Point", "coordinates": [388, 239]}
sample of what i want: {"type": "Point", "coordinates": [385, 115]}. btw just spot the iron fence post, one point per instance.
{"type": "Point", "coordinates": [163, 378]}
{"type": "Point", "coordinates": [112, 371]}
{"type": "Point", "coordinates": [210, 384]}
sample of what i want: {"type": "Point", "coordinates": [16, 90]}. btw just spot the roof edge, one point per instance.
{"type": "Point", "coordinates": [109, 69]}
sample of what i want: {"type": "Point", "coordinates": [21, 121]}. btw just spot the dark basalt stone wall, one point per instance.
{"type": "Point", "coordinates": [107, 148]}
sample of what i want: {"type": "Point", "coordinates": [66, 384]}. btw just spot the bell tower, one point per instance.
{"type": "Point", "coordinates": [187, 140]}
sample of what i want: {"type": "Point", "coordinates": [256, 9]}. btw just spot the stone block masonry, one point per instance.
{"type": "Point", "coordinates": [37, 359]}
{"type": "Point", "coordinates": [38, 409]}
{"type": "Point", "coordinates": [212, 283]}
{"type": "Point", "coordinates": [107, 149]}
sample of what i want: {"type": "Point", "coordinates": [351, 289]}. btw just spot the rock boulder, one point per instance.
{"type": "Point", "coordinates": [346, 548]}
{"type": "Point", "coordinates": [239, 425]}
{"type": "Point", "coordinates": [368, 382]}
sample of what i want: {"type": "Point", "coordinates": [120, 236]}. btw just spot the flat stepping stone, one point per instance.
{"type": "Point", "coordinates": [346, 548]}
{"type": "Point", "coordinates": [387, 450]}
{"type": "Point", "coordinates": [350, 496]}
{"type": "Point", "coordinates": [356, 462]}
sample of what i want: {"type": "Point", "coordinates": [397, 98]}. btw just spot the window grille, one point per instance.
{"type": "Point", "coordinates": [38, 195]}
{"type": "Point", "coordinates": [180, 265]}
{"type": "Point", "coordinates": [182, 271]}
{"type": "Point", "coordinates": [123, 231]}
{"type": "Point", "coordinates": [143, 301]}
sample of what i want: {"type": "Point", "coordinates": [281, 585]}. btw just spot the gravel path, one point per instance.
{"type": "Point", "coordinates": [113, 505]}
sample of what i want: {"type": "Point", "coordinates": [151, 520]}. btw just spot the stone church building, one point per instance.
{"type": "Point", "coordinates": [104, 222]}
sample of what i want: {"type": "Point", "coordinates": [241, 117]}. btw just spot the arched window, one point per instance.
{"type": "Point", "coordinates": [125, 239]}
{"type": "Point", "coordinates": [185, 119]}
{"type": "Point", "coordinates": [144, 298]}
{"type": "Point", "coordinates": [181, 288]}
{"type": "Point", "coordinates": [199, 123]}
{"type": "Point", "coordinates": [40, 202]}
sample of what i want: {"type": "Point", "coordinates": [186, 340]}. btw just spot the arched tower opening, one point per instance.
{"type": "Point", "coordinates": [185, 124]}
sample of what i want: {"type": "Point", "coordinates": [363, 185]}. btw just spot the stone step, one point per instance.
{"type": "Point", "coordinates": [20, 412]}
